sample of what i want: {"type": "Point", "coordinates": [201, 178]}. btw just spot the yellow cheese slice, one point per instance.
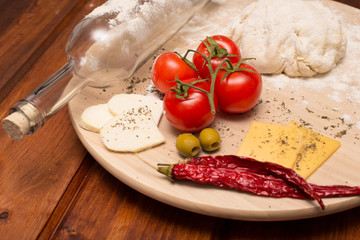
{"type": "Point", "coordinates": [315, 150]}
{"type": "Point", "coordinates": [272, 143]}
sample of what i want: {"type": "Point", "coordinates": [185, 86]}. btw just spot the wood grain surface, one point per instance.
{"type": "Point", "coordinates": [50, 187]}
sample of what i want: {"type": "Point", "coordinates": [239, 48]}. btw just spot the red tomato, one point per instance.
{"type": "Point", "coordinates": [223, 42]}
{"type": "Point", "coordinates": [191, 114]}
{"type": "Point", "coordinates": [239, 91]}
{"type": "Point", "coordinates": [166, 67]}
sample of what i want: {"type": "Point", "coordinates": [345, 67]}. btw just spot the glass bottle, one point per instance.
{"type": "Point", "coordinates": [121, 40]}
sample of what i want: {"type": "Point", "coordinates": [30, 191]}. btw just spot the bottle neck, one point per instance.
{"type": "Point", "coordinates": [30, 114]}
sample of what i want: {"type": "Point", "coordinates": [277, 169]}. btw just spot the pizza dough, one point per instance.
{"type": "Point", "coordinates": [295, 37]}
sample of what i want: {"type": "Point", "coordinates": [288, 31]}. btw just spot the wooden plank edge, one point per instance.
{"type": "Point", "coordinates": [38, 53]}
{"type": "Point", "coordinates": [67, 198]}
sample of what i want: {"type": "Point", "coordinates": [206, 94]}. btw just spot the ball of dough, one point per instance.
{"type": "Point", "coordinates": [299, 38]}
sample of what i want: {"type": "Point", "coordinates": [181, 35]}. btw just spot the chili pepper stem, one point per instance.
{"type": "Point", "coordinates": [166, 169]}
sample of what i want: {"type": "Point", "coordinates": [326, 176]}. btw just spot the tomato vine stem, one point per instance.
{"type": "Point", "coordinates": [214, 51]}
{"type": "Point", "coordinates": [210, 94]}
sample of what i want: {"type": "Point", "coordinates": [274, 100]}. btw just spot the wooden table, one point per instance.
{"type": "Point", "coordinates": [50, 187]}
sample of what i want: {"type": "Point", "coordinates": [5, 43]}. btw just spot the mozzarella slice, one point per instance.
{"type": "Point", "coordinates": [94, 117]}
{"type": "Point", "coordinates": [131, 131]}
{"type": "Point", "coordinates": [124, 102]}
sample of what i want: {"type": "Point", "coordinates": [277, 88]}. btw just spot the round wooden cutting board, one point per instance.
{"type": "Point", "coordinates": [329, 104]}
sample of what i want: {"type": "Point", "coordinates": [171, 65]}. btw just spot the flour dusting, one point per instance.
{"type": "Point", "coordinates": [135, 30]}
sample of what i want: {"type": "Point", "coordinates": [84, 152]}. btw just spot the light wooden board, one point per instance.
{"type": "Point", "coordinates": [328, 109]}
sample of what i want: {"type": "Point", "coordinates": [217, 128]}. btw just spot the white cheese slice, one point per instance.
{"type": "Point", "coordinates": [120, 103]}
{"type": "Point", "coordinates": [131, 131]}
{"type": "Point", "coordinates": [94, 117]}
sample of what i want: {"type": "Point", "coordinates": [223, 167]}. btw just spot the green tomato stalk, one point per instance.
{"type": "Point", "coordinates": [214, 51]}
{"type": "Point", "coordinates": [182, 88]}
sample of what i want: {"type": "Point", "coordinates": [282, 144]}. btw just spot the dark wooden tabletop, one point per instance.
{"type": "Point", "coordinates": [50, 187]}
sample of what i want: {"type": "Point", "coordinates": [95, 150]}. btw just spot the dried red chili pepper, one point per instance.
{"type": "Point", "coordinates": [246, 174]}
{"type": "Point", "coordinates": [230, 178]}
{"type": "Point", "coordinates": [231, 161]}
{"type": "Point", "coordinates": [336, 191]}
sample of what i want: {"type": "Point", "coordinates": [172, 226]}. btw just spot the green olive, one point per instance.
{"type": "Point", "coordinates": [188, 145]}
{"type": "Point", "coordinates": [209, 139]}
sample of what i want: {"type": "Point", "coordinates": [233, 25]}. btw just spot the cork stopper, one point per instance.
{"type": "Point", "coordinates": [16, 125]}
{"type": "Point", "coordinates": [24, 119]}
